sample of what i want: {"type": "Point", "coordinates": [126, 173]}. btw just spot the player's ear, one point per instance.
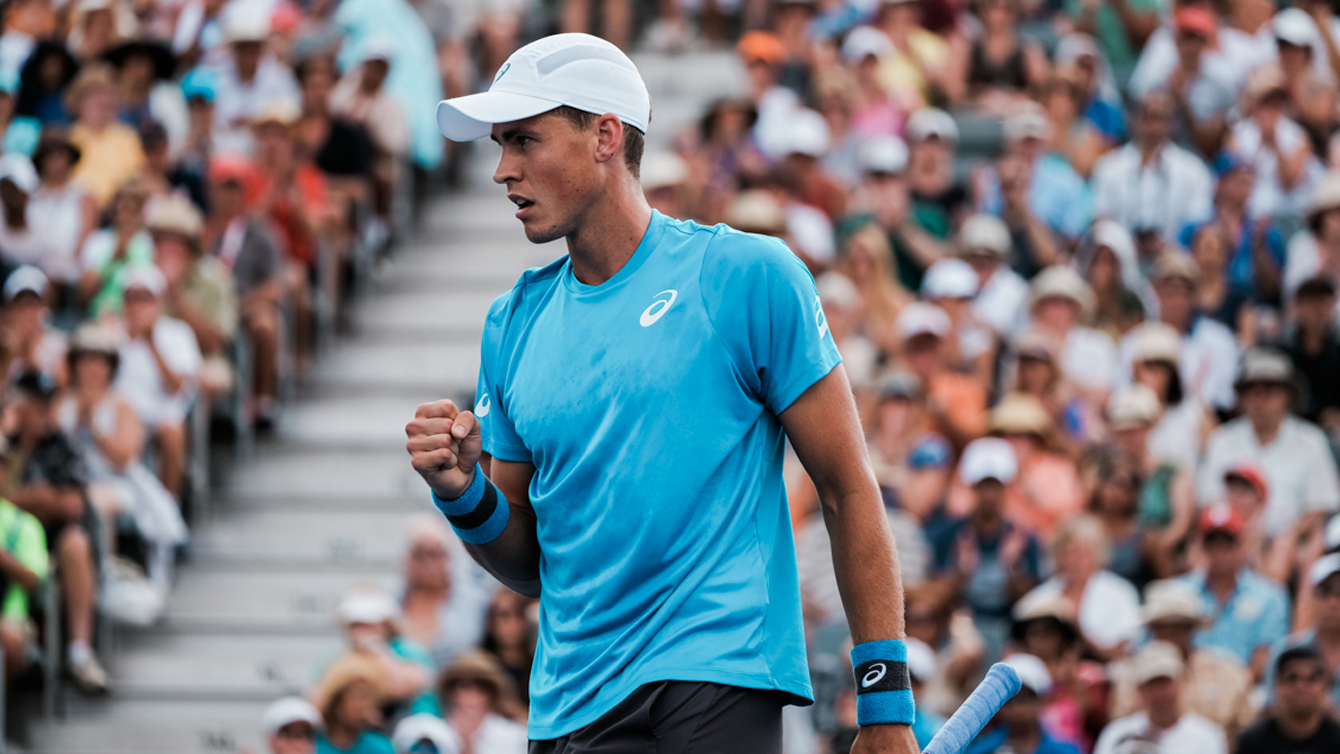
{"type": "Point", "coordinates": [609, 138]}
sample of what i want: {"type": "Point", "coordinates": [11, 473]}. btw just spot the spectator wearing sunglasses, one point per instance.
{"type": "Point", "coordinates": [1322, 636]}
{"type": "Point", "coordinates": [1298, 720]}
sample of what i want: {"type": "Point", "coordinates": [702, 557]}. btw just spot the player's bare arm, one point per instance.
{"type": "Point", "coordinates": [444, 447]}
{"type": "Point", "coordinates": [825, 431]}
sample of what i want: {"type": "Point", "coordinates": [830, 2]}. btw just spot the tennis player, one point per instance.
{"type": "Point", "coordinates": [623, 461]}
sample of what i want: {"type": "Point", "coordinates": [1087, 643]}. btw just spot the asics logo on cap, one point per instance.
{"type": "Point", "coordinates": [501, 71]}
{"type": "Point", "coordinates": [652, 314]}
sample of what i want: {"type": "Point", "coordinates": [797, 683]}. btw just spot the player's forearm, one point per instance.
{"type": "Point", "coordinates": [865, 561]}
{"type": "Point", "coordinates": [514, 557]}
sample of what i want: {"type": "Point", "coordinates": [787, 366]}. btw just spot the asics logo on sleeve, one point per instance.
{"type": "Point", "coordinates": [820, 319]}
{"type": "Point", "coordinates": [874, 675]}
{"type": "Point", "coordinates": [482, 406]}
{"type": "Point", "coordinates": [653, 313]}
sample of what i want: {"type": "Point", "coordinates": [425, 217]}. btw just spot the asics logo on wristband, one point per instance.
{"type": "Point", "coordinates": [883, 675]}
{"type": "Point", "coordinates": [652, 313]}
{"type": "Point", "coordinates": [875, 675]}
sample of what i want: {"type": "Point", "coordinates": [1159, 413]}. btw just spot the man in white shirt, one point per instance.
{"type": "Point", "coordinates": [1157, 672]}
{"type": "Point", "coordinates": [248, 80]}
{"type": "Point", "coordinates": [160, 360]}
{"type": "Point", "coordinates": [1293, 452]}
{"type": "Point", "coordinates": [1151, 184]}
{"type": "Point", "coordinates": [1208, 360]}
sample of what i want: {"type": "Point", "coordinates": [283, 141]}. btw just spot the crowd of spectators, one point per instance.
{"type": "Point", "coordinates": [190, 192]}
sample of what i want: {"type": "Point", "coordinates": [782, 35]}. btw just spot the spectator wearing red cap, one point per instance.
{"type": "Point", "coordinates": [1246, 490]}
{"type": "Point", "coordinates": [240, 243]}
{"type": "Point", "coordinates": [1201, 92]}
{"type": "Point", "coordinates": [1249, 612]}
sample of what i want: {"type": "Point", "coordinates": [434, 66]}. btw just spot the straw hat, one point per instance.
{"type": "Point", "coordinates": [343, 673]}
{"type": "Point", "coordinates": [1020, 413]}
{"type": "Point", "coordinates": [1060, 281]}
{"type": "Point", "coordinates": [1172, 600]}
{"type": "Point", "coordinates": [478, 667]}
{"type": "Point", "coordinates": [1156, 341]}
{"type": "Point", "coordinates": [91, 77]}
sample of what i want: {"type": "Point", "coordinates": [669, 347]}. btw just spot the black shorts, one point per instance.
{"type": "Point", "coordinates": [681, 717]}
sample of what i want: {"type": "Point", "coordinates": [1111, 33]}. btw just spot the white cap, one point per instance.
{"type": "Point", "coordinates": [985, 232]}
{"type": "Point", "coordinates": [1296, 27]}
{"type": "Point", "coordinates": [364, 605]}
{"type": "Point", "coordinates": [146, 276]}
{"type": "Point", "coordinates": [244, 24]}
{"type": "Point", "coordinates": [806, 133]}
{"type": "Point", "coordinates": [290, 709]}
{"type": "Point", "coordinates": [1325, 567]}
{"type": "Point", "coordinates": [883, 154]}
{"type": "Point", "coordinates": [1032, 672]}
{"type": "Point", "coordinates": [1112, 234]}
{"type": "Point", "coordinates": [1157, 659]}
{"type": "Point", "coordinates": [988, 458]}
{"type": "Point", "coordinates": [920, 659]}
{"type": "Point", "coordinates": [919, 318]}
{"type": "Point", "coordinates": [26, 278]}
{"type": "Point", "coordinates": [1333, 532]}
{"type": "Point", "coordinates": [577, 70]}
{"type": "Point", "coordinates": [931, 121]}
{"type": "Point", "coordinates": [379, 47]}
{"type": "Point", "coordinates": [1028, 124]}
{"type": "Point", "coordinates": [662, 170]}
{"type": "Point", "coordinates": [949, 278]}
{"type": "Point", "coordinates": [416, 728]}
{"type": "Point", "coordinates": [863, 41]}
{"type": "Point", "coordinates": [836, 289]}
{"type": "Point", "coordinates": [18, 169]}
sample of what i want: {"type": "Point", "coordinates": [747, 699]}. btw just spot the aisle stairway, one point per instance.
{"type": "Point", "coordinates": [325, 504]}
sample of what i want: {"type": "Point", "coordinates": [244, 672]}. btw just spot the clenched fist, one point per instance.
{"type": "Point", "coordinates": [444, 446]}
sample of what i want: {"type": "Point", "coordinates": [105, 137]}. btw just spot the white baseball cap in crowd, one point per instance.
{"type": "Point", "coordinates": [982, 232]}
{"type": "Point", "coordinates": [242, 23]}
{"type": "Point", "coordinates": [367, 605]}
{"type": "Point", "coordinates": [1295, 26]}
{"type": "Point", "coordinates": [1032, 672]}
{"type": "Point", "coordinates": [146, 276]}
{"type": "Point", "coordinates": [920, 660]}
{"type": "Point", "coordinates": [988, 458]}
{"type": "Point", "coordinates": [1028, 124]}
{"type": "Point", "coordinates": [18, 170]}
{"type": "Point", "coordinates": [837, 290]}
{"type": "Point", "coordinates": [885, 153]}
{"type": "Point", "coordinates": [580, 71]}
{"type": "Point", "coordinates": [864, 41]}
{"type": "Point", "coordinates": [425, 726]}
{"type": "Point", "coordinates": [920, 318]}
{"type": "Point", "coordinates": [26, 279]}
{"type": "Point", "coordinates": [1325, 567]}
{"type": "Point", "coordinates": [949, 278]}
{"type": "Point", "coordinates": [1112, 234]}
{"type": "Point", "coordinates": [1157, 659]}
{"type": "Point", "coordinates": [806, 133]}
{"type": "Point", "coordinates": [289, 709]}
{"type": "Point", "coordinates": [931, 121]}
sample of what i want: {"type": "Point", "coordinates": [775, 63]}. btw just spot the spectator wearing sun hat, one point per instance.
{"type": "Point", "coordinates": [1293, 452]}
{"type": "Point", "coordinates": [1158, 673]}
{"type": "Point", "coordinates": [1002, 295]}
{"type": "Point", "coordinates": [350, 696]}
{"type": "Point", "coordinates": [1248, 612]}
{"type": "Point", "coordinates": [370, 619]}
{"type": "Point", "coordinates": [483, 706]}
{"type": "Point", "coordinates": [1155, 352]}
{"type": "Point", "coordinates": [1058, 300]}
{"type": "Point", "coordinates": [1214, 685]}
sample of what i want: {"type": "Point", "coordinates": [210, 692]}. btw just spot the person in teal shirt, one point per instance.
{"type": "Point", "coordinates": [349, 697]}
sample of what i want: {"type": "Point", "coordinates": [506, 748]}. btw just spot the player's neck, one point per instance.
{"type": "Point", "coordinates": [609, 234]}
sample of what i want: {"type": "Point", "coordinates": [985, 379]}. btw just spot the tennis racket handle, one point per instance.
{"type": "Point", "coordinates": [1000, 684]}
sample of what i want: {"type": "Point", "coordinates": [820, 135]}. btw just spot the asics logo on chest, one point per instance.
{"type": "Point", "coordinates": [658, 307]}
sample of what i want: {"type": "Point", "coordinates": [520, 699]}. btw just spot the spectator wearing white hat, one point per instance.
{"type": "Point", "coordinates": [32, 342]}
{"type": "Point", "coordinates": [985, 560]}
{"type": "Point", "coordinates": [1107, 261]}
{"type": "Point", "coordinates": [424, 733]}
{"type": "Point", "coordinates": [248, 77]}
{"type": "Point", "coordinates": [1002, 295]}
{"type": "Point", "coordinates": [1018, 727]}
{"type": "Point", "coordinates": [1058, 301]}
{"type": "Point", "coordinates": [1151, 185]}
{"type": "Point", "coordinates": [665, 179]}
{"type": "Point", "coordinates": [369, 618]}
{"type": "Point", "coordinates": [1294, 453]}
{"type": "Point", "coordinates": [915, 232]}
{"type": "Point", "coordinates": [1106, 606]}
{"type": "Point", "coordinates": [1276, 145]}
{"type": "Point", "coordinates": [1157, 671]}
{"type": "Point", "coordinates": [1322, 632]}
{"type": "Point", "coordinates": [1183, 423]}
{"type": "Point", "coordinates": [361, 98]}
{"type": "Point", "coordinates": [1304, 56]}
{"type": "Point", "coordinates": [1214, 685]}
{"type": "Point", "coordinates": [160, 361]}
{"type": "Point", "coordinates": [806, 141]}
{"type": "Point", "coordinates": [957, 402]}
{"type": "Point", "coordinates": [951, 284]}
{"type": "Point", "coordinates": [932, 138]}
{"type": "Point", "coordinates": [20, 242]}
{"type": "Point", "coordinates": [290, 725]}
{"type": "Point", "coordinates": [1038, 191]}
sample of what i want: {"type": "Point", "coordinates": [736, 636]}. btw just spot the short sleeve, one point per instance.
{"type": "Point", "coordinates": [764, 306]}
{"type": "Point", "coordinates": [499, 434]}
{"type": "Point", "coordinates": [1323, 488]}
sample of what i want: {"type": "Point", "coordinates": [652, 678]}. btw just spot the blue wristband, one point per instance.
{"type": "Point", "coordinates": [883, 684]}
{"type": "Point", "coordinates": [480, 514]}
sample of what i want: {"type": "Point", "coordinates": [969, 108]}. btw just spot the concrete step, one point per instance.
{"type": "Point", "coordinates": [441, 367]}
{"type": "Point", "coordinates": [347, 538]}
{"type": "Point", "coordinates": [159, 726]}
{"type": "Point", "coordinates": [222, 667]}
{"type": "Point", "coordinates": [321, 473]}
{"type": "Point", "coordinates": [271, 601]}
{"type": "Point", "coordinates": [369, 421]}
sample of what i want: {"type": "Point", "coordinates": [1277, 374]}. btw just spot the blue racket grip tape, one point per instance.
{"type": "Point", "coordinates": [1001, 683]}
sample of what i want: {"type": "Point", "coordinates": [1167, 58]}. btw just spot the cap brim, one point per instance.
{"type": "Point", "coordinates": [472, 116]}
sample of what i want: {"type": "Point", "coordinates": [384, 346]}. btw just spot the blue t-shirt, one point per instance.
{"type": "Point", "coordinates": [371, 742]}
{"type": "Point", "coordinates": [648, 405]}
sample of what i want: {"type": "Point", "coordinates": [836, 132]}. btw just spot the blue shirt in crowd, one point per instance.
{"type": "Point", "coordinates": [649, 406]}
{"type": "Point", "coordinates": [371, 742]}
{"type": "Point", "coordinates": [1256, 614]}
{"type": "Point", "coordinates": [997, 739]}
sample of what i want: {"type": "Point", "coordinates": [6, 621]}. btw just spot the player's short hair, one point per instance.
{"type": "Point", "coordinates": [634, 141]}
